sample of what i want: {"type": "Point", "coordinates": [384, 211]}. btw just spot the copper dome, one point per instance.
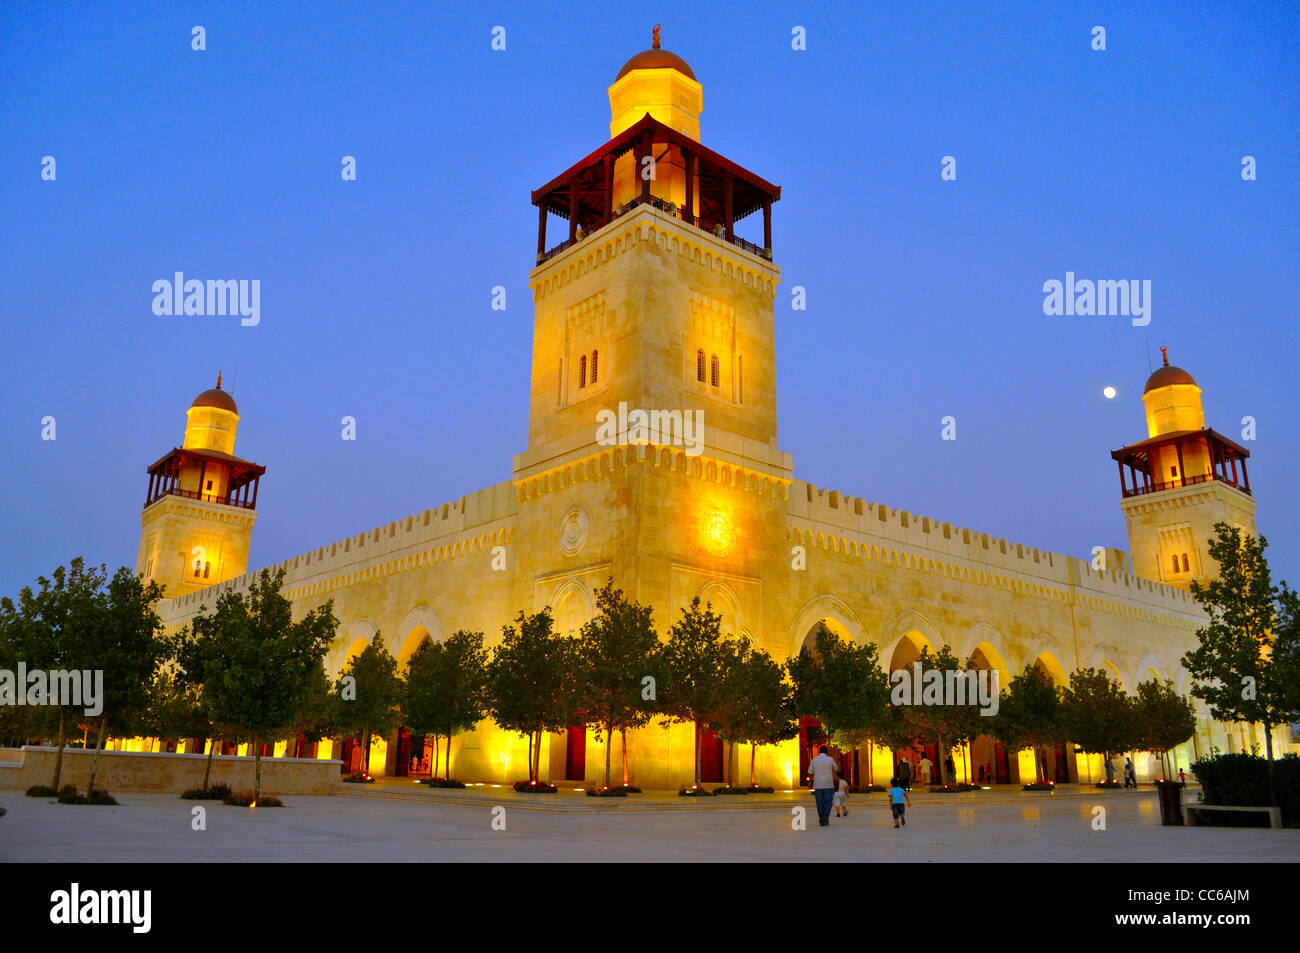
{"type": "Point", "coordinates": [216, 397]}
{"type": "Point", "coordinates": [655, 59]}
{"type": "Point", "coordinates": [1167, 375]}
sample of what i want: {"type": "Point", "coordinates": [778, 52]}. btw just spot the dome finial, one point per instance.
{"type": "Point", "coordinates": [219, 379]}
{"type": "Point", "coordinates": [1164, 352]}
{"type": "Point", "coordinates": [655, 34]}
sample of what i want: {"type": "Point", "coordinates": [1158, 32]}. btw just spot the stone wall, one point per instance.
{"type": "Point", "coordinates": [137, 771]}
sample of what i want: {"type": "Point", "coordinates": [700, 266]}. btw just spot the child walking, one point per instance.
{"type": "Point", "coordinates": [841, 799]}
{"type": "Point", "coordinates": [898, 802]}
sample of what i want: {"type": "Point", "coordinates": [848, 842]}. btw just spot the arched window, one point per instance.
{"type": "Point", "coordinates": [582, 371]}
{"type": "Point", "coordinates": [713, 370]}
{"type": "Point", "coordinates": [206, 567]}
{"type": "Point", "coordinates": [1175, 559]}
{"type": "Point", "coordinates": [595, 356]}
{"type": "Point", "coordinates": [1185, 569]}
{"type": "Point", "coordinates": [699, 365]}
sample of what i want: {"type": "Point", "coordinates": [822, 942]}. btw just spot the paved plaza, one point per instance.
{"type": "Point", "coordinates": [402, 822]}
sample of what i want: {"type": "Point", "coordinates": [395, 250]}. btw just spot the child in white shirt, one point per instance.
{"type": "Point", "coordinates": [841, 799]}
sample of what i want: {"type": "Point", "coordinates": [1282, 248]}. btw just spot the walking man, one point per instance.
{"type": "Point", "coordinates": [822, 770]}
{"type": "Point", "coordinates": [905, 773]}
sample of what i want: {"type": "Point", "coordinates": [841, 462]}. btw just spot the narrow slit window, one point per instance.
{"type": "Point", "coordinates": [1185, 564]}
{"type": "Point", "coordinates": [699, 365]}
{"type": "Point", "coordinates": [582, 371]}
{"type": "Point", "coordinates": [1175, 558]}
{"type": "Point", "coordinates": [713, 370]}
{"type": "Point", "coordinates": [595, 358]}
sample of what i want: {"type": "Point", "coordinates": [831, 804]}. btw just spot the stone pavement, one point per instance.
{"type": "Point", "coordinates": [392, 821]}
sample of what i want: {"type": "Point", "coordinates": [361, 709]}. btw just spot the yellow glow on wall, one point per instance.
{"type": "Point", "coordinates": [378, 756]}
{"type": "Point", "coordinates": [325, 749]}
{"type": "Point", "coordinates": [1028, 772]}
{"type": "Point", "coordinates": [717, 532]}
{"type": "Point", "coordinates": [280, 748]}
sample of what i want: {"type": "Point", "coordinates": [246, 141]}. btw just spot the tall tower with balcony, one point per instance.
{"type": "Point", "coordinates": [201, 503]}
{"type": "Point", "coordinates": [1179, 482]}
{"type": "Point", "coordinates": [651, 301]}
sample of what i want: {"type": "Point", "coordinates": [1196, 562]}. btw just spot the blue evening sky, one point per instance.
{"type": "Point", "coordinates": [924, 296]}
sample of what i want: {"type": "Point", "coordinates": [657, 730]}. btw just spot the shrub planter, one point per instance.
{"type": "Point", "coordinates": [606, 792]}
{"type": "Point", "coordinates": [245, 799]}
{"type": "Point", "coordinates": [68, 795]}
{"type": "Point", "coordinates": [41, 790]}
{"type": "Point", "coordinates": [214, 793]}
{"type": "Point", "coordinates": [694, 792]}
{"type": "Point", "coordinates": [952, 788]}
{"type": "Point", "coordinates": [443, 783]}
{"type": "Point", "coordinates": [359, 778]}
{"type": "Point", "coordinates": [534, 787]}
{"type": "Point", "coordinates": [1039, 786]}
{"type": "Point", "coordinates": [1109, 784]}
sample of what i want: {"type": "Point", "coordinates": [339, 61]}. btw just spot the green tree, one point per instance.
{"type": "Point", "coordinates": [693, 660]}
{"type": "Point", "coordinates": [1238, 671]}
{"type": "Point", "coordinates": [758, 702]}
{"type": "Point", "coordinates": [366, 697]}
{"type": "Point", "coordinates": [259, 665]}
{"type": "Point", "coordinates": [1029, 716]}
{"type": "Point", "coordinates": [1163, 718]}
{"type": "Point", "coordinates": [123, 643]}
{"type": "Point", "coordinates": [1097, 716]}
{"type": "Point", "coordinates": [842, 685]}
{"type": "Point", "coordinates": [50, 626]}
{"type": "Point", "coordinates": [929, 714]}
{"type": "Point", "coordinates": [446, 686]}
{"type": "Point", "coordinates": [616, 651]}
{"type": "Point", "coordinates": [530, 682]}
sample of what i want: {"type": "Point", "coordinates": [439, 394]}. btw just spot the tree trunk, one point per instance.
{"type": "Point", "coordinates": [94, 762]}
{"type": "Point", "coordinates": [871, 766]}
{"type": "Point", "coordinates": [1268, 749]}
{"type": "Point", "coordinates": [437, 755]}
{"type": "Point", "coordinates": [623, 736]}
{"type": "Point", "coordinates": [939, 754]}
{"type": "Point", "coordinates": [609, 743]}
{"type": "Point", "coordinates": [697, 753]}
{"type": "Point", "coordinates": [365, 752]}
{"type": "Point", "coordinates": [752, 748]}
{"type": "Point", "coordinates": [257, 769]}
{"type": "Point", "coordinates": [207, 771]}
{"type": "Point", "coordinates": [58, 758]}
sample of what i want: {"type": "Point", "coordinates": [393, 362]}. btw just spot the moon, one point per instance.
{"type": "Point", "coordinates": [1109, 393]}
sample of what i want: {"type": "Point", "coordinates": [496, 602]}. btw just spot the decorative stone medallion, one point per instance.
{"type": "Point", "coordinates": [573, 531]}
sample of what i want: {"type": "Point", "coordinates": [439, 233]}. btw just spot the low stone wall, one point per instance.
{"type": "Point", "coordinates": [126, 771]}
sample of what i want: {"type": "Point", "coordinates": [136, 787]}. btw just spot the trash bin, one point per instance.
{"type": "Point", "coordinates": [1171, 803]}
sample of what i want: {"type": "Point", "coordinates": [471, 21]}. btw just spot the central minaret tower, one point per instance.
{"type": "Point", "coordinates": [650, 302]}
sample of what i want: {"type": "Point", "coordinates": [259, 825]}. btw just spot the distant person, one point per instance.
{"type": "Point", "coordinates": [905, 773]}
{"type": "Point", "coordinates": [1130, 775]}
{"type": "Point", "coordinates": [925, 767]}
{"type": "Point", "coordinates": [1182, 777]}
{"type": "Point", "coordinates": [841, 800]}
{"type": "Point", "coordinates": [898, 801]}
{"type": "Point", "coordinates": [950, 769]}
{"type": "Point", "coordinates": [822, 770]}
{"type": "Point", "coordinates": [989, 774]}
{"type": "Point", "coordinates": [981, 775]}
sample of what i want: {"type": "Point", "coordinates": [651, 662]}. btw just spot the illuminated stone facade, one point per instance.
{"type": "Point", "coordinates": [653, 311]}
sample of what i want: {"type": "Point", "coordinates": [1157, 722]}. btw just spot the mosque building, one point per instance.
{"type": "Point", "coordinates": [650, 302]}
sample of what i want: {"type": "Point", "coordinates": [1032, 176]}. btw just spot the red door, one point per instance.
{"type": "Point", "coordinates": [402, 766]}
{"type": "Point", "coordinates": [710, 756]}
{"type": "Point", "coordinates": [575, 754]}
{"type": "Point", "coordinates": [1001, 765]}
